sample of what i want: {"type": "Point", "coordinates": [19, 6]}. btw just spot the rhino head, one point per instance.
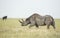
{"type": "Point", "coordinates": [24, 23]}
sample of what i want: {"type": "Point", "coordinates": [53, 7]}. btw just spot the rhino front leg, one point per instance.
{"type": "Point", "coordinates": [37, 25]}
{"type": "Point", "coordinates": [32, 24]}
{"type": "Point", "coordinates": [53, 25]}
{"type": "Point", "coordinates": [48, 26]}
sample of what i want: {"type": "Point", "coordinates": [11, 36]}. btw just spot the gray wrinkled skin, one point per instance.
{"type": "Point", "coordinates": [38, 20]}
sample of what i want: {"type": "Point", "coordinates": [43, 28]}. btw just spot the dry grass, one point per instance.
{"type": "Point", "coordinates": [11, 28]}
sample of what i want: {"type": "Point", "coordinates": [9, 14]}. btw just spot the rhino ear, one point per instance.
{"type": "Point", "coordinates": [20, 21]}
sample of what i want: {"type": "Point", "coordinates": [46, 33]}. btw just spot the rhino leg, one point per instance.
{"type": "Point", "coordinates": [48, 26]}
{"type": "Point", "coordinates": [37, 25]}
{"type": "Point", "coordinates": [53, 24]}
{"type": "Point", "coordinates": [32, 24]}
{"type": "Point", "coordinates": [47, 23]}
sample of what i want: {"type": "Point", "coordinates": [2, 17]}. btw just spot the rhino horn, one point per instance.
{"type": "Point", "coordinates": [20, 21]}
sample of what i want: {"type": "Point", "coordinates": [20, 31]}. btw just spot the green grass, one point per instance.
{"type": "Point", "coordinates": [11, 28]}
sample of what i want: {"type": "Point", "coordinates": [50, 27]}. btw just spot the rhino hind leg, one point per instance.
{"type": "Point", "coordinates": [48, 26]}
{"type": "Point", "coordinates": [53, 25]}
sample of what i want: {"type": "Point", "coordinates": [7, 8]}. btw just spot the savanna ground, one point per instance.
{"type": "Point", "coordinates": [11, 28]}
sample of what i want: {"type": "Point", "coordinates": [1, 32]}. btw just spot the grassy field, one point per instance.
{"type": "Point", "coordinates": [11, 28]}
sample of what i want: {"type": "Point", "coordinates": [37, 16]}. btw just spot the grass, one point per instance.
{"type": "Point", "coordinates": [11, 28]}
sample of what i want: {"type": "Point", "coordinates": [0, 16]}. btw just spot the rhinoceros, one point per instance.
{"type": "Point", "coordinates": [38, 20]}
